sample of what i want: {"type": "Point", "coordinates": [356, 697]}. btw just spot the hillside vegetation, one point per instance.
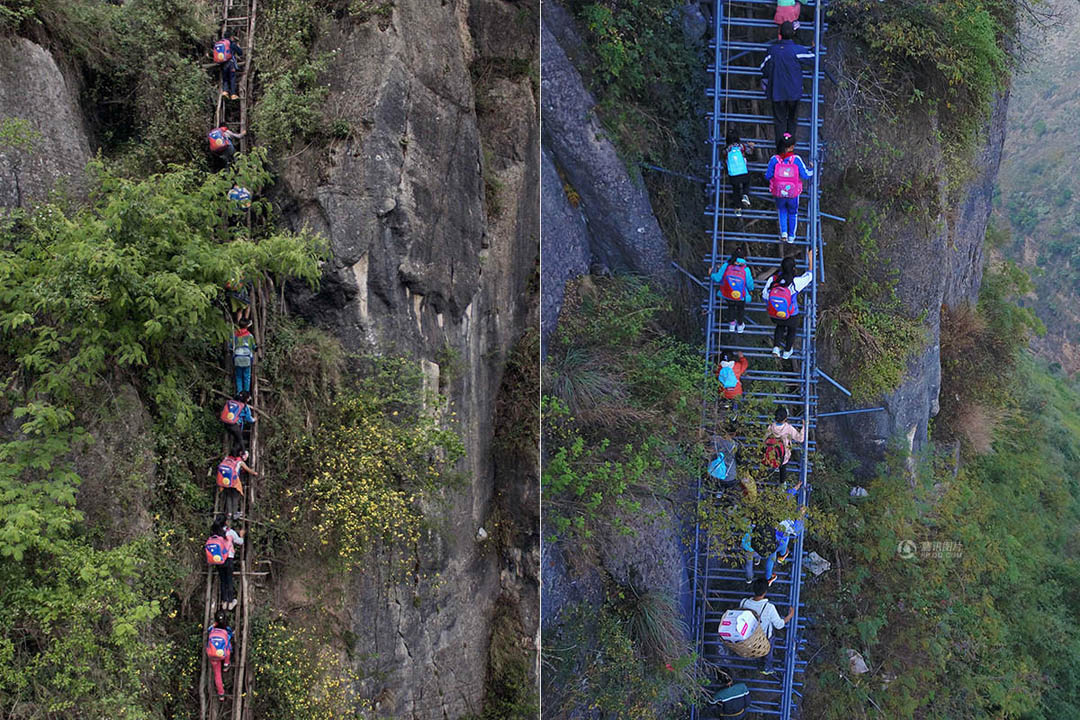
{"type": "Point", "coordinates": [1037, 204]}
{"type": "Point", "coordinates": [112, 321]}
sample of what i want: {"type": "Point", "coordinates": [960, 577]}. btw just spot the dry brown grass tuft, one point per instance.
{"type": "Point", "coordinates": [974, 425]}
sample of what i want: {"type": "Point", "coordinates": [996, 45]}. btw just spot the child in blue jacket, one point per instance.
{"type": "Point", "coordinates": [785, 174]}
{"type": "Point", "coordinates": [735, 281]}
{"type": "Point", "coordinates": [736, 154]}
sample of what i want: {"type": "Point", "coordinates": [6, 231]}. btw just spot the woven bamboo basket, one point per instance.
{"type": "Point", "coordinates": [755, 646]}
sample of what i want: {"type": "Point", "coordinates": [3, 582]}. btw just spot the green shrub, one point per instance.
{"type": "Point", "coordinates": [377, 451]}
{"type": "Point", "coordinates": [298, 674]}
{"type": "Point", "coordinates": [291, 97]}
{"type": "Point", "coordinates": [952, 57]}
{"type": "Point", "coordinates": [646, 77]}
{"type": "Point", "coordinates": [595, 664]}
{"type": "Point", "coordinates": [620, 412]}
{"type": "Point", "coordinates": [864, 322]}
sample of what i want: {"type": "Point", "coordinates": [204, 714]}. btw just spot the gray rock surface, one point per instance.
{"type": "Point", "coordinates": [431, 207]}
{"type": "Point", "coordinates": [694, 24]}
{"type": "Point", "coordinates": [33, 89]}
{"type": "Point", "coordinates": [623, 231]}
{"type": "Point", "coordinates": [565, 250]}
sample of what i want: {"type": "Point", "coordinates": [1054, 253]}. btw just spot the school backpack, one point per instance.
{"type": "Point", "coordinates": [727, 378]}
{"type": "Point", "coordinates": [722, 466]}
{"type": "Point", "coordinates": [733, 283]}
{"type": "Point", "coordinates": [222, 51]}
{"type": "Point", "coordinates": [242, 351]}
{"type": "Point", "coordinates": [782, 303]}
{"type": "Point", "coordinates": [228, 473]}
{"type": "Point", "coordinates": [242, 196]}
{"type": "Point", "coordinates": [218, 644]}
{"type": "Point", "coordinates": [736, 162]}
{"type": "Point", "coordinates": [732, 701]}
{"type": "Point", "coordinates": [217, 550]}
{"type": "Point", "coordinates": [230, 414]}
{"type": "Point", "coordinates": [218, 140]}
{"type": "Point", "coordinates": [773, 456]}
{"type": "Point", "coordinates": [785, 182]}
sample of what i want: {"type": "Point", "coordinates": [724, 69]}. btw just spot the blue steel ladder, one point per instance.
{"type": "Point", "coordinates": [744, 29]}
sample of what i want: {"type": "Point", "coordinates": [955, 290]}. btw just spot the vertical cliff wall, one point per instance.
{"type": "Point", "coordinates": [35, 91]}
{"type": "Point", "coordinates": [930, 244]}
{"type": "Point", "coordinates": [432, 211]}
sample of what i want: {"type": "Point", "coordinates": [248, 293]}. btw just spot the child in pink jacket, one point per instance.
{"type": "Point", "coordinates": [787, 434]}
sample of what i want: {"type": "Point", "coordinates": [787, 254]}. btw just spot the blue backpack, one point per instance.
{"type": "Point", "coordinates": [722, 466]}
{"type": "Point", "coordinates": [736, 163]}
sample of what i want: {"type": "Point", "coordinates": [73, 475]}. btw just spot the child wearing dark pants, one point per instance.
{"type": "Point", "coordinates": [736, 283]}
{"type": "Point", "coordinates": [781, 296]}
{"type": "Point", "coordinates": [737, 153]}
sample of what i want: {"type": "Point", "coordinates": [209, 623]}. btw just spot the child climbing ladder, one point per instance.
{"type": "Point", "coordinates": [222, 697]}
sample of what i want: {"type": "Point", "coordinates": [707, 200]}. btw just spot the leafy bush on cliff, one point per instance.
{"type": "Point", "coordinates": [864, 322]}
{"type": "Point", "coordinates": [645, 76]}
{"type": "Point", "coordinates": [597, 662]}
{"type": "Point", "coordinates": [378, 451]}
{"type": "Point", "coordinates": [139, 68]}
{"type": "Point", "coordinates": [622, 398]}
{"type": "Point", "coordinates": [951, 56]}
{"type": "Point", "coordinates": [124, 289]}
{"type": "Point", "coordinates": [979, 347]}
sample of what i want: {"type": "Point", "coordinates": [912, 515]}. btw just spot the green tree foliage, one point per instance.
{"type": "Point", "coordinates": [979, 347]}
{"type": "Point", "coordinates": [957, 578]}
{"type": "Point", "coordinates": [980, 623]}
{"type": "Point", "coordinates": [952, 56]}
{"type": "Point", "coordinates": [125, 287]}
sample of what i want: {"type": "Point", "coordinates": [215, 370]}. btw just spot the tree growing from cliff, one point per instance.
{"type": "Point", "coordinates": [127, 287]}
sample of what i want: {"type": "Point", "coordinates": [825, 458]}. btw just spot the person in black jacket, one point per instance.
{"type": "Point", "coordinates": [781, 78]}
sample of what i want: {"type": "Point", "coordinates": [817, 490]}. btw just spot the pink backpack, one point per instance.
{"type": "Point", "coordinates": [786, 182]}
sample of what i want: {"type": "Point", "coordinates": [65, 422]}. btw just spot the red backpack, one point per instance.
{"type": "Point", "coordinates": [773, 457]}
{"type": "Point", "coordinates": [782, 303]}
{"type": "Point", "coordinates": [222, 51]}
{"type": "Point", "coordinates": [228, 473]}
{"type": "Point", "coordinates": [230, 414]}
{"type": "Point", "coordinates": [733, 283]}
{"type": "Point", "coordinates": [218, 644]}
{"type": "Point", "coordinates": [217, 549]}
{"type": "Point", "coordinates": [218, 139]}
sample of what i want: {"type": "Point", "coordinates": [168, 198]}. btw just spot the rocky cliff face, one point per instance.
{"type": "Point", "coordinates": [431, 208]}
{"type": "Point", "coordinates": [933, 247]}
{"type": "Point", "coordinates": [611, 217]}
{"type": "Point", "coordinates": [34, 90]}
